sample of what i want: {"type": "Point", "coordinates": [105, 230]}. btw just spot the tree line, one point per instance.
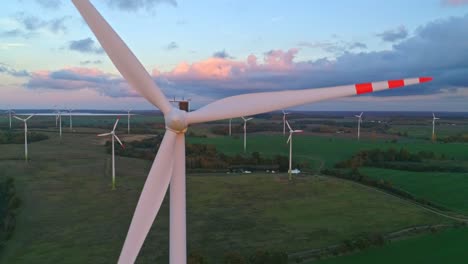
{"type": "Point", "coordinates": [204, 156]}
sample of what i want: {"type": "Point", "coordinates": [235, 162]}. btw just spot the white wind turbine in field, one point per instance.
{"type": "Point", "coordinates": [434, 118]}
{"type": "Point", "coordinates": [284, 121]}
{"type": "Point", "coordinates": [10, 112]}
{"type": "Point", "coordinates": [359, 125]}
{"type": "Point", "coordinates": [113, 136]}
{"type": "Point", "coordinates": [71, 120]}
{"type": "Point", "coordinates": [25, 121]}
{"type": "Point", "coordinates": [290, 141]}
{"type": "Point", "coordinates": [58, 118]}
{"type": "Point", "coordinates": [128, 121]}
{"type": "Point", "coordinates": [169, 164]}
{"type": "Point", "coordinates": [245, 131]}
{"type": "Point", "coordinates": [230, 121]}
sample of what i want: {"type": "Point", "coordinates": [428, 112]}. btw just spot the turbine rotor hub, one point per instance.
{"type": "Point", "coordinates": [176, 121]}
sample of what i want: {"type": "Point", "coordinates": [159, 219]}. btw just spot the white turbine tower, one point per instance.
{"type": "Point", "coordinates": [290, 141]}
{"type": "Point", "coordinates": [284, 121]}
{"type": "Point", "coordinates": [58, 118]}
{"type": "Point", "coordinates": [25, 121]}
{"type": "Point", "coordinates": [245, 131]}
{"type": "Point", "coordinates": [71, 120]}
{"type": "Point", "coordinates": [359, 125]}
{"type": "Point", "coordinates": [169, 164]}
{"type": "Point", "coordinates": [113, 136]}
{"type": "Point", "coordinates": [10, 112]}
{"type": "Point", "coordinates": [230, 121]}
{"type": "Point", "coordinates": [128, 121]}
{"type": "Point", "coordinates": [434, 118]}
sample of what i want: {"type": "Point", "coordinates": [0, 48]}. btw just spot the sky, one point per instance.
{"type": "Point", "coordinates": [207, 50]}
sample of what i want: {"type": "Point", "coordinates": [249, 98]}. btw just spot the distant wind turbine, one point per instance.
{"type": "Point", "coordinates": [114, 136]}
{"type": "Point", "coordinates": [71, 121]}
{"type": "Point", "coordinates": [284, 121]}
{"type": "Point", "coordinates": [58, 118]}
{"type": "Point", "coordinates": [290, 141]}
{"type": "Point", "coordinates": [9, 111]}
{"type": "Point", "coordinates": [245, 132]}
{"type": "Point", "coordinates": [230, 120]}
{"type": "Point", "coordinates": [128, 121]}
{"type": "Point", "coordinates": [25, 121]}
{"type": "Point", "coordinates": [434, 118]}
{"type": "Point", "coordinates": [359, 125]}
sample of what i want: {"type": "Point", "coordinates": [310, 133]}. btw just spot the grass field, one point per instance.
{"type": "Point", "coordinates": [444, 247]}
{"type": "Point", "coordinates": [443, 188]}
{"type": "Point", "coordinates": [70, 215]}
{"type": "Point", "coordinates": [327, 149]}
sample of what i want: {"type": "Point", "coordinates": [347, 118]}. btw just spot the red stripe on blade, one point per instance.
{"type": "Point", "coordinates": [395, 83]}
{"type": "Point", "coordinates": [425, 79]}
{"type": "Point", "coordinates": [364, 88]}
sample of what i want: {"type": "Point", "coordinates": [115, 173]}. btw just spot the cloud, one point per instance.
{"type": "Point", "coordinates": [86, 45]}
{"type": "Point", "coordinates": [454, 2]}
{"type": "Point", "coordinates": [222, 54]}
{"type": "Point", "coordinates": [394, 35]}
{"type": "Point", "coordinates": [334, 47]}
{"type": "Point", "coordinates": [437, 49]}
{"type": "Point", "coordinates": [87, 62]}
{"type": "Point", "coordinates": [135, 5]}
{"type": "Point", "coordinates": [80, 78]}
{"type": "Point", "coordinates": [5, 69]}
{"type": "Point", "coordinates": [32, 24]}
{"type": "Point", "coordinates": [172, 46]}
{"type": "Point", "coordinates": [50, 4]}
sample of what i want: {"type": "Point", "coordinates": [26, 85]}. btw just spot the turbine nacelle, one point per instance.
{"type": "Point", "coordinates": [176, 121]}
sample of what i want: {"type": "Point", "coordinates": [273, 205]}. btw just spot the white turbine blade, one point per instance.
{"type": "Point", "coordinates": [28, 117]}
{"type": "Point", "coordinates": [298, 131]}
{"type": "Point", "coordinates": [118, 140]}
{"type": "Point", "coordinates": [122, 57]}
{"type": "Point", "coordinates": [289, 138]}
{"type": "Point", "coordinates": [150, 200]}
{"type": "Point", "coordinates": [19, 118]}
{"type": "Point", "coordinates": [433, 116]}
{"type": "Point", "coordinates": [103, 135]}
{"type": "Point", "coordinates": [257, 103]}
{"type": "Point", "coordinates": [115, 125]}
{"type": "Point", "coordinates": [243, 118]}
{"type": "Point", "coordinates": [287, 123]}
{"type": "Point", "coordinates": [361, 114]}
{"type": "Point", "coordinates": [248, 119]}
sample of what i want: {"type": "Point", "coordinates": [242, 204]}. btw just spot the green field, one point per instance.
{"type": "Point", "coordinates": [443, 188]}
{"type": "Point", "coordinates": [316, 149]}
{"type": "Point", "coordinates": [444, 247]}
{"type": "Point", "coordinates": [70, 215]}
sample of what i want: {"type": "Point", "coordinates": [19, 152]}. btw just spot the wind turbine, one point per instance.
{"type": "Point", "coordinates": [434, 118]}
{"type": "Point", "coordinates": [290, 141]}
{"type": "Point", "coordinates": [114, 136]}
{"type": "Point", "coordinates": [9, 111]}
{"type": "Point", "coordinates": [71, 121]}
{"type": "Point", "coordinates": [169, 164]}
{"type": "Point", "coordinates": [128, 121]}
{"type": "Point", "coordinates": [230, 121]}
{"type": "Point", "coordinates": [245, 132]}
{"type": "Point", "coordinates": [359, 125]}
{"type": "Point", "coordinates": [25, 121]}
{"type": "Point", "coordinates": [58, 118]}
{"type": "Point", "coordinates": [284, 121]}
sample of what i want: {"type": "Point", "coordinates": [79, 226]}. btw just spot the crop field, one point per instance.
{"type": "Point", "coordinates": [443, 188]}
{"type": "Point", "coordinates": [444, 247]}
